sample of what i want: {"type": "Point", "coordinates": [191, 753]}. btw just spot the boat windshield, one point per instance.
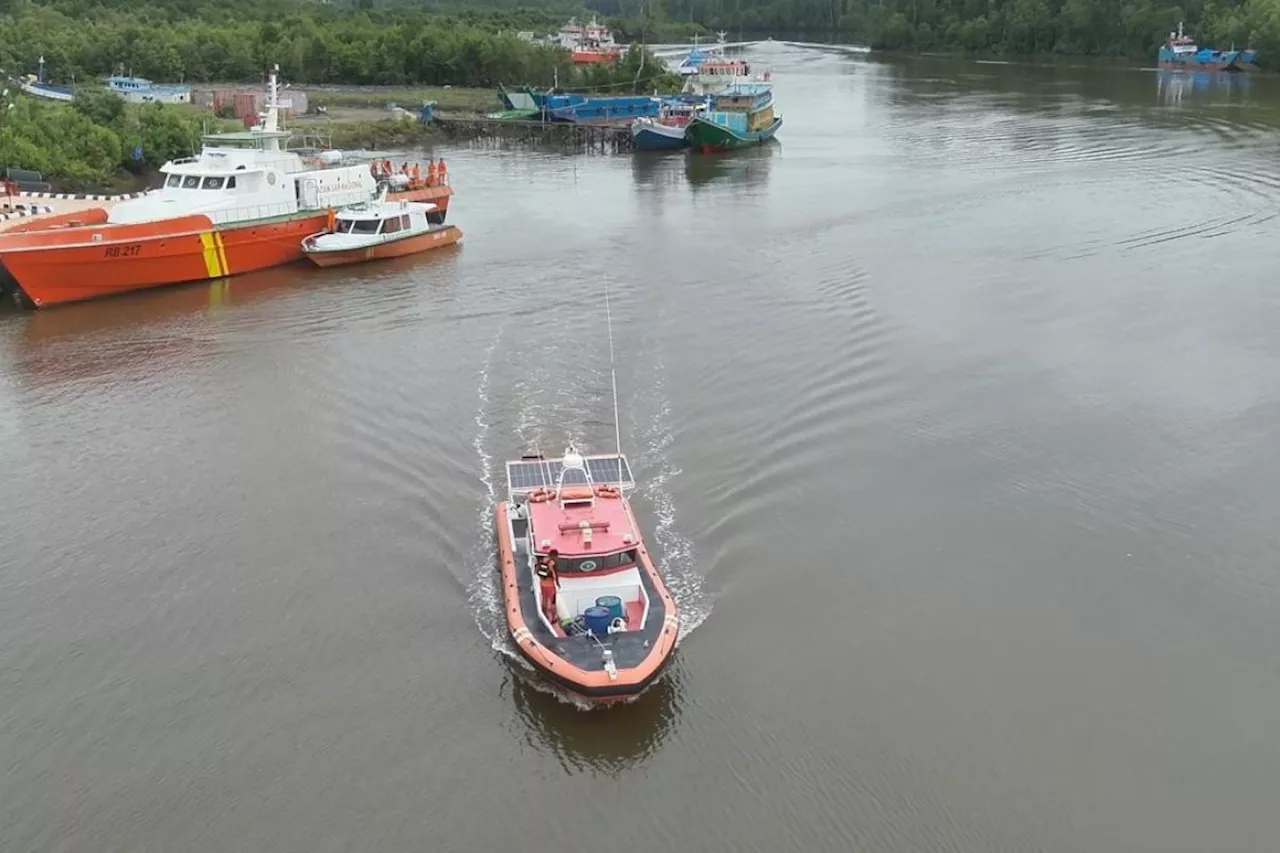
{"type": "Point", "coordinates": [371, 226]}
{"type": "Point", "coordinates": [569, 565]}
{"type": "Point", "coordinates": [357, 226]}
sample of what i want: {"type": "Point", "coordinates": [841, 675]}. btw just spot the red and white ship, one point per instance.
{"type": "Point", "coordinates": [590, 43]}
{"type": "Point", "coordinates": [244, 204]}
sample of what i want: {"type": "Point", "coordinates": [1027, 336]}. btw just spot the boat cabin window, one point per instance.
{"type": "Point", "coordinates": [626, 558]}
{"type": "Point", "coordinates": [212, 183]}
{"type": "Point", "coordinates": [391, 226]}
{"type": "Point", "coordinates": [356, 226]}
{"type": "Point", "coordinates": [591, 564]}
{"type": "Point", "coordinates": [191, 182]}
{"type": "Point", "coordinates": [231, 182]}
{"type": "Point", "coordinates": [174, 181]}
{"type": "Point", "coordinates": [404, 222]}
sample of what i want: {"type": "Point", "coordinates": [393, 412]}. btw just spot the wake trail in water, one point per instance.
{"type": "Point", "coordinates": [675, 552]}
{"type": "Point", "coordinates": [484, 595]}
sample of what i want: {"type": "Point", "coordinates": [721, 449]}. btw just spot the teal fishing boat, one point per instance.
{"type": "Point", "coordinates": [740, 116]}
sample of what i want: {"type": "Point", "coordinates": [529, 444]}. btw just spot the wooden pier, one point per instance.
{"type": "Point", "coordinates": [602, 138]}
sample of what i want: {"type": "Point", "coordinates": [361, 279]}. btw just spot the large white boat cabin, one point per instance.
{"type": "Point", "coordinates": [248, 175]}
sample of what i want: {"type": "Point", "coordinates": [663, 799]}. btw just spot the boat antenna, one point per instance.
{"type": "Point", "coordinates": [613, 379]}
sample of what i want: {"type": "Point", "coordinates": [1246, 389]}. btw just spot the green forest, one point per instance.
{"type": "Point", "coordinates": [99, 140]}
{"type": "Point", "coordinates": [91, 141]}
{"type": "Point", "coordinates": [446, 43]}
{"type": "Point", "coordinates": [192, 41]}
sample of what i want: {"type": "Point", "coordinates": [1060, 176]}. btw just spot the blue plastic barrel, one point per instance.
{"type": "Point", "coordinates": [613, 603]}
{"type": "Point", "coordinates": [597, 620]}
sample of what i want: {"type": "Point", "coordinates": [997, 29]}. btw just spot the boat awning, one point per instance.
{"type": "Point", "coordinates": [357, 214]}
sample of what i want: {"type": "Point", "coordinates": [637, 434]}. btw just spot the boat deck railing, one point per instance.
{"type": "Point", "coordinates": [251, 212]}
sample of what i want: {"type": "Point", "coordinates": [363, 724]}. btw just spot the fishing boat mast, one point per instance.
{"type": "Point", "coordinates": [613, 380]}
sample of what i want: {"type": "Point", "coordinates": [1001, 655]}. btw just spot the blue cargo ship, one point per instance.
{"type": "Point", "coordinates": [1181, 51]}
{"type": "Point", "coordinates": [587, 109]}
{"type": "Point", "coordinates": [577, 108]}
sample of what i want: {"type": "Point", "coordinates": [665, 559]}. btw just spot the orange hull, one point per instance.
{"type": "Point", "coordinates": [398, 249]}
{"type": "Point", "coordinates": [76, 256]}
{"type": "Point", "coordinates": [55, 266]}
{"type": "Point", "coordinates": [588, 57]}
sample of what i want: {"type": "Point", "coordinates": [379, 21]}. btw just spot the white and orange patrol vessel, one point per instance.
{"type": "Point", "coordinates": [244, 204]}
{"type": "Point", "coordinates": [613, 626]}
{"type": "Point", "coordinates": [378, 232]}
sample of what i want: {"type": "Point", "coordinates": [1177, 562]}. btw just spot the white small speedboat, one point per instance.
{"type": "Point", "coordinates": [379, 230]}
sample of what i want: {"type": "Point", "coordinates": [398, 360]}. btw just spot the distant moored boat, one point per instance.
{"type": "Point", "coordinates": [37, 87]}
{"type": "Point", "coordinates": [666, 132]}
{"type": "Point", "coordinates": [743, 115]}
{"type": "Point", "coordinates": [140, 90]}
{"type": "Point", "coordinates": [1181, 51]}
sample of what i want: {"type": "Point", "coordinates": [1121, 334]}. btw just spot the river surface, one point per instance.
{"type": "Point", "coordinates": [955, 418]}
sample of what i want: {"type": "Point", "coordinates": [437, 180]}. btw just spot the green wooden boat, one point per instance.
{"type": "Point", "coordinates": [740, 116]}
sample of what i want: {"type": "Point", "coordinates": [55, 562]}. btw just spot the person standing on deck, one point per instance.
{"type": "Point", "coordinates": [549, 583]}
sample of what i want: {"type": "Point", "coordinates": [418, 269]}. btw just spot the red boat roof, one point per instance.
{"type": "Point", "coordinates": [582, 529]}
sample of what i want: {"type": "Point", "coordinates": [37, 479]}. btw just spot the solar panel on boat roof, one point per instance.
{"type": "Point", "coordinates": [526, 475]}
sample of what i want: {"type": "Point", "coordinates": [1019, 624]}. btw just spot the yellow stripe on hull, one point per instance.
{"type": "Point", "coordinates": [212, 261]}
{"type": "Point", "coordinates": [222, 253]}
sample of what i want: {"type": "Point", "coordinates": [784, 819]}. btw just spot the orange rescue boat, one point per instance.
{"type": "Point", "coordinates": [582, 598]}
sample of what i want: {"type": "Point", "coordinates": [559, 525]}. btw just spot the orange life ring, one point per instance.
{"type": "Point", "coordinates": [607, 491]}
{"type": "Point", "coordinates": [538, 496]}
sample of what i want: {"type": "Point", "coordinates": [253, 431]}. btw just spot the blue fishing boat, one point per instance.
{"type": "Point", "coordinates": [666, 131]}
{"type": "Point", "coordinates": [739, 116]}
{"type": "Point", "coordinates": [38, 88]}
{"type": "Point", "coordinates": [140, 90]}
{"type": "Point", "coordinates": [690, 64]}
{"type": "Point", "coordinates": [1181, 51]}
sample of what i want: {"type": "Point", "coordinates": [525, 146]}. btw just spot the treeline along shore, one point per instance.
{"type": "Point", "coordinates": [457, 43]}
{"type": "Point", "coordinates": [418, 49]}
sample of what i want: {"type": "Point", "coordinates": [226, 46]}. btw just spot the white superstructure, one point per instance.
{"type": "Point", "coordinates": [246, 176]}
